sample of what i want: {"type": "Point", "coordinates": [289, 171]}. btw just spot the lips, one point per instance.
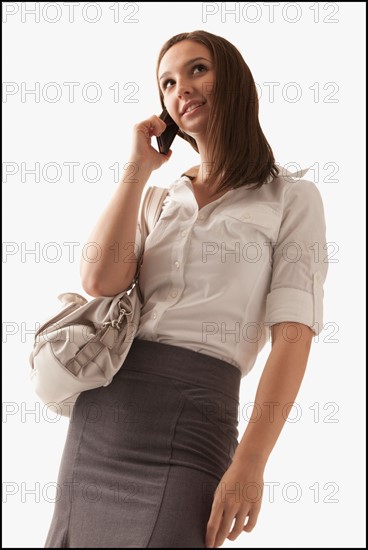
{"type": "Point", "coordinates": [191, 106]}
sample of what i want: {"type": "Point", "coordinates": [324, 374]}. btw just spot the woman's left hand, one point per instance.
{"type": "Point", "coordinates": [238, 495]}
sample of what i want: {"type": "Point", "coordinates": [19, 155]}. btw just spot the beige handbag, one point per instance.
{"type": "Point", "coordinates": [84, 345]}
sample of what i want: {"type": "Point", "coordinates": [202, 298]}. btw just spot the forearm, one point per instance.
{"type": "Point", "coordinates": [276, 393]}
{"type": "Point", "coordinates": [114, 236]}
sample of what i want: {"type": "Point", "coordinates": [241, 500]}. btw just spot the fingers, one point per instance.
{"type": "Point", "coordinates": [252, 520]}
{"type": "Point", "coordinates": [219, 526]}
{"type": "Point", "coordinates": [238, 526]}
{"type": "Point", "coordinates": [152, 126]}
{"type": "Point", "coordinates": [225, 527]}
{"type": "Point", "coordinates": [142, 150]}
{"type": "Point", "coordinates": [214, 523]}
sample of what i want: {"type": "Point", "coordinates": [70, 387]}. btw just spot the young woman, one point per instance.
{"type": "Point", "coordinates": [230, 263]}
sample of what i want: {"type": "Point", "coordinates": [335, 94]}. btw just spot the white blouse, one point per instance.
{"type": "Point", "coordinates": [214, 279]}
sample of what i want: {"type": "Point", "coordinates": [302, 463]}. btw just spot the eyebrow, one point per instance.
{"type": "Point", "coordinates": [185, 65]}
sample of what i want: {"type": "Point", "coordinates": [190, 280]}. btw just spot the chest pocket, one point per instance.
{"type": "Point", "coordinates": [258, 219]}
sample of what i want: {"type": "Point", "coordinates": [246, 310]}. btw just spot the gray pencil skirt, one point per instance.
{"type": "Point", "coordinates": [144, 455]}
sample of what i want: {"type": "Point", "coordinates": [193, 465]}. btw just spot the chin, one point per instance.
{"type": "Point", "coordinates": [194, 131]}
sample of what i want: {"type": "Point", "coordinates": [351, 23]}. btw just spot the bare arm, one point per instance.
{"type": "Point", "coordinates": [239, 493]}
{"type": "Point", "coordinates": [277, 390]}
{"type": "Point", "coordinates": [115, 232]}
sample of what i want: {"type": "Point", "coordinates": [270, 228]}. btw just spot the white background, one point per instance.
{"type": "Point", "coordinates": [317, 463]}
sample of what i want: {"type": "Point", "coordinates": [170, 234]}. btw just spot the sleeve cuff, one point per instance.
{"type": "Point", "coordinates": [294, 305]}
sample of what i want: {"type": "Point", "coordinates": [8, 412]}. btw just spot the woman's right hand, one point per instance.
{"type": "Point", "coordinates": [142, 150]}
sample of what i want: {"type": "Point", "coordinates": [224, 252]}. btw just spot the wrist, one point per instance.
{"type": "Point", "coordinates": [250, 459]}
{"type": "Point", "coordinates": [136, 170]}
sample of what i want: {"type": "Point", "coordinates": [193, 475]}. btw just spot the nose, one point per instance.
{"type": "Point", "coordinates": [183, 87]}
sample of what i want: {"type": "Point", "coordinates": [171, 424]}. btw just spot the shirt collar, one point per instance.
{"type": "Point", "coordinates": [185, 181]}
{"type": "Point", "coordinates": [284, 172]}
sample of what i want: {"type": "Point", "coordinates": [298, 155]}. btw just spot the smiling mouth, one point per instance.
{"type": "Point", "coordinates": [192, 108]}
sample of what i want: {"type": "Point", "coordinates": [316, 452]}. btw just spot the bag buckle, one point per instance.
{"type": "Point", "coordinates": [116, 323]}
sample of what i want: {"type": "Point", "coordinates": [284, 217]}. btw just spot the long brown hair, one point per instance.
{"type": "Point", "coordinates": [239, 150]}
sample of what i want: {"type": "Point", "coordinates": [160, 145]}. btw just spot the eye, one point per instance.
{"type": "Point", "coordinates": [166, 82]}
{"type": "Point", "coordinates": [200, 67]}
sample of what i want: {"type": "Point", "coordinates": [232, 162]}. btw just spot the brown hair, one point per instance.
{"type": "Point", "coordinates": [239, 149]}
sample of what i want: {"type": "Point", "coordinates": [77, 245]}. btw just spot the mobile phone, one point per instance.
{"type": "Point", "coordinates": [167, 137]}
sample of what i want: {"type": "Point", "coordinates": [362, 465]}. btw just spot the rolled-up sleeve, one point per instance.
{"type": "Point", "coordinates": [299, 260]}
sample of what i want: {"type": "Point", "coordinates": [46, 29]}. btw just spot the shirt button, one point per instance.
{"type": "Point", "coordinates": [155, 315]}
{"type": "Point", "coordinates": [174, 293]}
{"type": "Point", "coordinates": [247, 216]}
{"type": "Point", "coordinates": [177, 264]}
{"type": "Point", "coordinates": [200, 216]}
{"type": "Point", "coordinates": [183, 233]}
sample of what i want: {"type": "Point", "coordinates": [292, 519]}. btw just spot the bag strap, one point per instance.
{"type": "Point", "coordinates": [150, 211]}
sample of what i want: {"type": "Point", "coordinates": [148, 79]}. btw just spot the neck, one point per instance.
{"type": "Point", "coordinates": [204, 168]}
{"type": "Point", "coordinates": [200, 173]}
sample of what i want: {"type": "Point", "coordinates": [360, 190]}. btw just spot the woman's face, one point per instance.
{"type": "Point", "coordinates": [186, 76]}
